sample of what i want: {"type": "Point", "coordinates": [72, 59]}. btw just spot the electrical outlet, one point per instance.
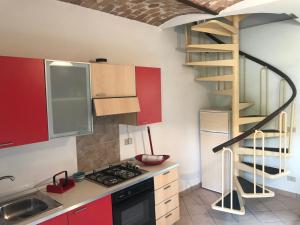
{"type": "Point", "coordinates": [291, 179]}
{"type": "Point", "coordinates": [128, 141]}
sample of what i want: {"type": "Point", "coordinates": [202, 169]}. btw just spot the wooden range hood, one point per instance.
{"type": "Point", "coordinates": [114, 89]}
{"type": "Point", "coordinates": [114, 106]}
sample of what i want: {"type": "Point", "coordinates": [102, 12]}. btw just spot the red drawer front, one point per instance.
{"type": "Point", "coordinates": [96, 213]}
{"type": "Point", "coordinates": [23, 114]}
{"type": "Point", "coordinates": [148, 89]}
{"type": "Point", "coordinates": [59, 220]}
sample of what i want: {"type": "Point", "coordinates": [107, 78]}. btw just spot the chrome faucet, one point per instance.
{"type": "Point", "coordinates": [12, 178]}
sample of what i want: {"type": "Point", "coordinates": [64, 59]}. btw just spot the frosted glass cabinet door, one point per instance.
{"type": "Point", "coordinates": [68, 98]}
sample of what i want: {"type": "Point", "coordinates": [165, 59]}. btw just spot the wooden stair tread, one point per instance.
{"type": "Point", "coordinates": [255, 116]}
{"type": "Point", "coordinates": [245, 105]}
{"type": "Point", "coordinates": [212, 63]}
{"type": "Point", "coordinates": [269, 133]}
{"type": "Point", "coordinates": [215, 27]}
{"type": "Point", "coordinates": [268, 149]}
{"type": "Point", "coordinates": [268, 169]}
{"type": "Point", "coordinates": [210, 47]}
{"type": "Point", "coordinates": [248, 187]}
{"type": "Point", "coordinates": [227, 92]}
{"type": "Point", "coordinates": [216, 78]}
{"type": "Point", "coordinates": [250, 119]}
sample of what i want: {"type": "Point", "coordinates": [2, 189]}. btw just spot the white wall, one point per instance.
{"type": "Point", "coordinates": [35, 163]}
{"type": "Point", "coordinates": [278, 44]}
{"type": "Point", "coordinates": [53, 29]}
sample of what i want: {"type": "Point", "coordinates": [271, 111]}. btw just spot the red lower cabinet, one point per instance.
{"type": "Point", "coordinates": [23, 114]}
{"type": "Point", "coordinates": [59, 220]}
{"type": "Point", "coordinates": [96, 213]}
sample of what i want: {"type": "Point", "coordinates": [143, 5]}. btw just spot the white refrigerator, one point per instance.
{"type": "Point", "coordinates": [214, 130]}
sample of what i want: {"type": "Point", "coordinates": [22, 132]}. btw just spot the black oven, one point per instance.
{"type": "Point", "coordinates": [135, 204]}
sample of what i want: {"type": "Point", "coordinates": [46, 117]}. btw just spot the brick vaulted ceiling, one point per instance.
{"type": "Point", "coordinates": [154, 12]}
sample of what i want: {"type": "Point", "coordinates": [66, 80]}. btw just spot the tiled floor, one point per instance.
{"type": "Point", "coordinates": [196, 210]}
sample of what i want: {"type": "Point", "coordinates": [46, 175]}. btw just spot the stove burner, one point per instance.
{"type": "Point", "coordinates": [115, 174]}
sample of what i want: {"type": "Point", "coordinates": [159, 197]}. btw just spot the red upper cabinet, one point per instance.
{"type": "Point", "coordinates": [148, 90]}
{"type": "Point", "coordinates": [23, 113]}
{"type": "Point", "coordinates": [59, 220]}
{"type": "Point", "coordinates": [96, 213]}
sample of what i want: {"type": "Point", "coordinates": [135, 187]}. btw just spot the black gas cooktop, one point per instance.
{"type": "Point", "coordinates": [116, 174]}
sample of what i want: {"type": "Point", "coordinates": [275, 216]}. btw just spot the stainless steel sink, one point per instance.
{"type": "Point", "coordinates": [24, 207]}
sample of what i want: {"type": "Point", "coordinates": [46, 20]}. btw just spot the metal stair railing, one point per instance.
{"type": "Point", "coordinates": [270, 117]}
{"type": "Point", "coordinates": [282, 134]}
{"type": "Point", "coordinates": [231, 177]}
{"type": "Point", "coordinates": [258, 132]}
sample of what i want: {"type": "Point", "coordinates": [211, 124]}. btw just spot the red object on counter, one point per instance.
{"type": "Point", "coordinates": [62, 186]}
{"type": "Point", "coordinates": [148, 91]}
{"type": "Point", "coordinates": [59, 220]}
{"type": "Point", "coordinates": [151, 163]}
{"type": "Point", "coordinates": [98, 212]}
{"type": "Point", "coordinates": [23, 114]}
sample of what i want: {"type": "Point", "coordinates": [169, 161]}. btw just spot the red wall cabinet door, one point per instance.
{"type": "Point", "coordinates": [148, 90]}
{"type": "Point", "coordinates": [96, 213]}
{"type": "Point", "coordinates": [23, 112]}
{"type": "Point", "coordinates": [59, 220]}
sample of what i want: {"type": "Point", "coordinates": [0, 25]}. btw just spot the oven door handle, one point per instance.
{"type": "Point", "coordinates": [124, 197]}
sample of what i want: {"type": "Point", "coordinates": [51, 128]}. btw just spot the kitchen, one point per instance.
{"type": "Point", "coordinates": [45, 158]}
{"type": "Point", "coordinates": [94, 84]}
{"type": "Point", "coordinates": [58, 96]}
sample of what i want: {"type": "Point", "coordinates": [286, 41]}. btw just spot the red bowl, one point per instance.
{"type": "Point", "coordinates": [153, 163]}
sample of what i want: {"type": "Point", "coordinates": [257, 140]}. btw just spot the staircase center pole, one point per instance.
{"type": "Point", "coordinates": [235, 90]}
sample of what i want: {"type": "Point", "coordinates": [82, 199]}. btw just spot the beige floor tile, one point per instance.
{"type": "Point", "coordinates": [287, 215]}
{"type": "Point", "coordinates": [275, 223]}
{"type": "Point", "coordinates": [184, 220]}
{"type": "Point", "coordinates": [222, 218]}
{"type": "Point", "coordinates": [248, 218]}
{"type": "Point", "coordinates": [195, 209]}
{"type": "Point", "coordinates": [183, 210]}
{"type": "Point", "coordinates": [274, 204]}
{"type": "Point", "coordinates": [290, 203]}
{"type": "Point", "coordinates": [256, 206]}
{"type": "Point", "coordinates": [204, 219]}
{"type": "Point", "coordinates": [266, 217]}
{"type": "Point", "coordinates": [292, 222]}
{"type": "Point", "coordinates": [192, 199]}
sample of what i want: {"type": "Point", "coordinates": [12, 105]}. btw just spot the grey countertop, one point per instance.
{"type": "Point", "coordinates": [85, 192]}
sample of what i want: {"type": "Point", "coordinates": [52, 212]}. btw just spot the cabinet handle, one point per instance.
{"type": "Point", "coordinates": [6, 144]}
{"type": "Point", "coordinates": [166, 173]}
{"type": "Point", "coordinates": [167, 202]}
{"type": "Point", "coordinates": [165, 188]}
{"type": "Point", "coordinates": [167, 216]}
{"type": "Point", "coordinates": [80, 210]}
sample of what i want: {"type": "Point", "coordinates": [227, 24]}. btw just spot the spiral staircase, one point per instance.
{"type": "Point", "coordinates": [238, 156]}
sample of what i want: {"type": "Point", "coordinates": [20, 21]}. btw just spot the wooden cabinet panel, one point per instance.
{"type": "Point", "coordinates": [166, 192]}
{"type": "Point", "coordinates": [113, 106]}
{"type": "Point", "coordinates": [170, 218]}
{"type": "Point", "coordinates": [148, 90]}
{"type": "Point", "coordinates": [96, 213]}
{"type": "Point", "coordinates": [165, 178]}
{"type": "Point", "coordinates": [59, 220]}
{"type": "Point", "coordinates": [113, 80]}
{"type": "Point", "coordinates": [23, 114]}
{"type": "Point", "coordinates": [166, 206]}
